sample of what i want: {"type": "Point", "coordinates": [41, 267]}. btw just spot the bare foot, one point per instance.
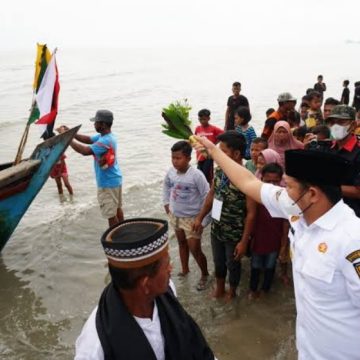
{"type": "Point", "coordinates": [218, 293]}
{"type": "Point", "coordinates": [203, 283]}
{"type": "Point", "coordinates": [252, 295]}
{"type": "Point", "coordinates": [183, 274]}
{"type": "Point", "coordinates": [286, 280]}
{"type": "Point", "coordinates": [230, 295]}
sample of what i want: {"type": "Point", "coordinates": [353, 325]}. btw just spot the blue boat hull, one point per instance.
{"type": "Point", "coordinates": [14, 206]}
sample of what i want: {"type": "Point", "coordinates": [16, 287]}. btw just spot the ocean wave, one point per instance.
{"type": "Point", "coordinates": [148, 185]}
{"type": "Point", "coordinates": [100, 76]}
{"type": "Point", "coordinates": [9, 124]}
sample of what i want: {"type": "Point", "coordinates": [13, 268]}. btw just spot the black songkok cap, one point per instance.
{"type": "Point", "coordinates": [135, 243]}
{"type": "Point", "coordinates": [319, 168]}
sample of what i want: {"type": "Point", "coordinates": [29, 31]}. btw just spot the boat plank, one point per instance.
{"type": "Point", "coordinates": [17, 172]}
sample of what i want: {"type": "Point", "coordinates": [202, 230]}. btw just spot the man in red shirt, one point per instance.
{"type": "Point", "coordinates": [211, 132]}
{"type": "Point", "coordinates": [342, 126]}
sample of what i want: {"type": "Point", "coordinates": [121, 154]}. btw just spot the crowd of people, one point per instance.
{"type": "Point", "coordinates": [289, 195]}
{"type": "Point", "coordinates": [238, 225]}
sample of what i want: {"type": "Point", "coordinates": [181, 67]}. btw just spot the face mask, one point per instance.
{"type": "Point", "coordinates": [290, 206]}
{"type": "Point", "coordinates": [339, 132]}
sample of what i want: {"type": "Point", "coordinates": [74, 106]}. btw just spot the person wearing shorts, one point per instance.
{"type": "Point", "coordinates": [110, 201]}
{"type": "Point", "coordinates": [107, 171]}
{"type": "Point", "coordinates": [184, 191]}
{"type": "Point", "coordinates": [60, 174]}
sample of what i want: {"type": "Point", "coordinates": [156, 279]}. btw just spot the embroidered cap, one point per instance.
{"type": "Point", "coordinates": [135, 243]}
{"type": "Point", "coordinates": [105, 116]}
{"type": "Point", "coordinates": [319, 168]}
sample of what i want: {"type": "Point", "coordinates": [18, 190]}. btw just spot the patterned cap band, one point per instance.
{"type": "Point", "coordinates": [135, 242]}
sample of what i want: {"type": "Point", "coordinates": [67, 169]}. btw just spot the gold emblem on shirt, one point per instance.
{"type": "Point", "coordinates": [353, 256]}
{"type": "Point", "coordinates": [357, 269]}
{"type": "Point", "coordinates": [294, 218]}
{"type": "Point", "coordinates": [322, 247]}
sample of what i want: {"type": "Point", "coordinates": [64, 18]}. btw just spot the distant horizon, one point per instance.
{"type": "Point", "coordinates": [347, 42]}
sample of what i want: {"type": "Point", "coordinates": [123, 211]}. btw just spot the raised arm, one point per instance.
{"type": "Point", "coordinates": [81, 149]}
{"type": "Point", "coordinates": [85, 139]}
{"type": "Point", "coordinates": [241, 177]}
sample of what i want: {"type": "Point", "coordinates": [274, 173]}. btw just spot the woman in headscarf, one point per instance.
{"type": "Point", "coordinates": [282, 139]}
{"type": "Point", "coordinates": [266, 156]}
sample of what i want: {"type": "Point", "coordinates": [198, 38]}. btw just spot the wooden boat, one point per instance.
{"type": "Point", "coordinates": [19, 184]}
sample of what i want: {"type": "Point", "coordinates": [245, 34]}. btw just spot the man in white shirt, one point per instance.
{"type": "Point", "coordinates": [138, 316]}
{"type": "Point", "coordinates": [325, 246]}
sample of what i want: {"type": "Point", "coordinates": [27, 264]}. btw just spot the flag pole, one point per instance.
{"type": "Point", "coordinates": [24, 137]}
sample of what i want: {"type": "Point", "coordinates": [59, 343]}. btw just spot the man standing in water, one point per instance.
{"type": "Point", "coordinates": [138, 316]}
{"type": "Point", "coordinates": [324, 242]}
{"type": "Point", "coordinates": [103, 147]}
{"type": "Point", "coordinates": [234, 101]}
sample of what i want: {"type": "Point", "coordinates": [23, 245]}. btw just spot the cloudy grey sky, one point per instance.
{"type": "Point", "coordinates": [147, 23]}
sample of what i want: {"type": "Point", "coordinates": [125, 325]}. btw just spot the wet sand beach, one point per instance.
{"type": "Point", "coordinates": [49, 290]}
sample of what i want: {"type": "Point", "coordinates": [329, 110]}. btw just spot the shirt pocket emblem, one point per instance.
{"type": "Point", "coordinates": [322, 247]}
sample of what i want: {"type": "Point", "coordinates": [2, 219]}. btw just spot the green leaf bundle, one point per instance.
{"type": "Point", "coordinates": [177, 122]}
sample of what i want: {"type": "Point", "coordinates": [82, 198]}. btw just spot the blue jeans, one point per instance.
{"type": "Point", "coordinates": [223, 255]}
{"type": "Point", "coordinates": [259, 262]}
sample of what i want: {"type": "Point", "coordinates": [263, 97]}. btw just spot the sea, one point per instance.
{"type": "Point", "coordinates": [53, 269]}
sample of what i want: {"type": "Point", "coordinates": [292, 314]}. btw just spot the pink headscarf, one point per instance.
{"type": "Point", "coordinates": [270, 156]}
{"type": "Point", "coordinates": [290, 145]}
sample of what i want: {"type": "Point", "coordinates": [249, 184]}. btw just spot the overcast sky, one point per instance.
{"type": "Point", "coordinates": [147, 23]}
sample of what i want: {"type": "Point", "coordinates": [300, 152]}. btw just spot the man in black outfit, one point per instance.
{"type": "Point", "coordinates": [345, 96]}
{"type": "Point", "coordinates": [320, 86]}
{"type": "Point", "coordinates": [356, 101]}
{"type": "Point", "coordinates": [234, 102]}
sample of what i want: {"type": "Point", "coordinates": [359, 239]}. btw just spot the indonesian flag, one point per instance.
{"type": "Point", "coordinates": [47, 97]}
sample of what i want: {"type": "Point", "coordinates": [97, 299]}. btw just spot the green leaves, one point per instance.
{"type": "Point", "coordinates": [176, 116]}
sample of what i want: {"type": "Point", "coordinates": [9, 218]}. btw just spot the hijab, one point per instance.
{"type": "Point", "coordinates": [291, 144]}
{"type": "Point", "coordinates": [270, 156]}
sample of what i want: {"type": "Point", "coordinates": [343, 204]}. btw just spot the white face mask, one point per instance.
{"type": "Point", "coordinates": [289, 205]}
{"type": "Point", "coordinates": [339, 132]}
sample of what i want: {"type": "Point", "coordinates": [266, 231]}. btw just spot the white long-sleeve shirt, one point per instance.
{"type": "Point", "coordinates": [326, 271]}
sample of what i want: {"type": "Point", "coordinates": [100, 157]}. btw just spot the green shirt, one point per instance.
{"type": "Point", "coordinates": [250, 166]}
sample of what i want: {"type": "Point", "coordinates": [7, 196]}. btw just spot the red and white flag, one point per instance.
{"type": "Point", "coordinates": [47, 96]}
